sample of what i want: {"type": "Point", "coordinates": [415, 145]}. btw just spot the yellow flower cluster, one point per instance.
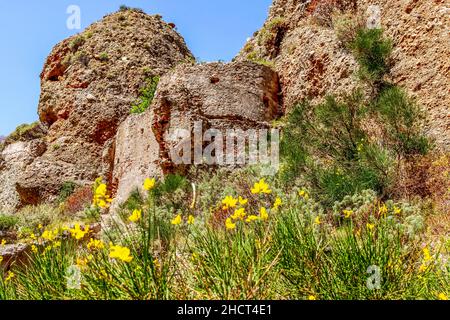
{"type": "Point", "coordinates": [101, 196]}
{"type": "Point", "coordinates": [9, 277]}
{"type": "Point", "coordinates": [49, 235]}
{"type": "Point", "coordinates": [261, 187]}
{"type": "Point", "coordinates": [149, 184]}
{"type": "Point", "coordinates": [347, 213]}
{"type": "Point", "coordinates": [240, 213]}
{"type": "Point", "coordinates": [79, 233]}
{"type": "Point", "coordinates": [427, 259]}
{"type": "Point", "coordinates": [304, 194]}
{"type": "Point", "coordinates": [178, 220]}
{"type": "Point", "coordinates": [135, 216]}
{"type": "Point", "coordinates": [120, 253]}
{"type": "Point", "coordinates": [95, 244]}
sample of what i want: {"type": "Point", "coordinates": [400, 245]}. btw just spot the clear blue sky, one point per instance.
{"type": "Point", "coordinates": [213, 29]}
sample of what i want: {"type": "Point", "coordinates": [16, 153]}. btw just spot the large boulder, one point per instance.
{"type": "Point", "coordinates": [88, 85]}
{"type": "Point", "coordinates": [240, 95]}
{"type": "Point", "coordinates": [299, 38]}
{"type": "Point", "coordinates": [14, 158]}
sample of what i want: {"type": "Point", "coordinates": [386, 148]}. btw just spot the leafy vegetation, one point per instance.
{"type": "Point", "coordinates": [147, 95]}
{"type": "Point", "coordinates": [7, 222]}
{"type": "Point", "coordinates": [352, 143]}
{"type": "Point", "coordinates": [257, 241]}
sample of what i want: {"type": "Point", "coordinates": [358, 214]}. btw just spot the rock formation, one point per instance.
{"type": "Point", "coordinates": [90, 81]}
{"type": "Point", "coordinates": [240, 95]}
{"type": "Point", "coordinates": [88, 85]}
{"type": "Point", "coordinates": [300, 39]}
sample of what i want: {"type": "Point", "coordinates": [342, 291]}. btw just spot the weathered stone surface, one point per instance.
{"type": "Point", "coordinates": [136, 156]}
{"type": "Point", "coordinates": [236, 95]}
{"type": "Point", "coordinates": [239, 95]}
{"type": "Point", "coordinates": [88, 85]}
{"type": "Point", "coordinates": [312, 62]}
{"type": "Point", "coordinates": [14, 159]}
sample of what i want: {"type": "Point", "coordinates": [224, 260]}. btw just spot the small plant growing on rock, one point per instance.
{"type": "Point", "coordinates": [77, 42]}
{"type": "Point", "coordinates": [104, 56]}
{"type": "Point", "coordinates": [7, 222]}
{"type": "Point", "coordinates": [147, 95]}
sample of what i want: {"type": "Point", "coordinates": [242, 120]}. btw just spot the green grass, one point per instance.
{"type": "Point", "coordinates": [303, 250]}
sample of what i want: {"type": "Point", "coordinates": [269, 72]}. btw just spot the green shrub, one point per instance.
{"type": "Point", "coordinates": [349, 144]}
{"type": "Point", "coordinates": [147, 95]}
{"type": "Point", "coordinates": [7, 222]}
{"type": "Point", "coordinates": [403, 120]}
{"type": "Point", "coordinates": [372, 52]}
{"type": "Point", "coordinates": [329, 147]}
{"type": "Point", "coordinates": [26, 132]}
{"type": "Point", "coordinates": [67, 189]}
{"type": "Point", "coordinates": [76, 42]}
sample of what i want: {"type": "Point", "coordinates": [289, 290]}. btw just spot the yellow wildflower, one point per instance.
{"type": "Point", "coordinates": [304, 194]}
{"type": "Point", "coordinates": [347, 213]}
{"type": "Point", "coordinates": [191, 219]}
{"type": "Point", "coordinates": [229, 202]}
{"type": "Point", "coordinates": [261, 187]}
{"type": "Point", "coordinates": [34, 249]}
{"type": "Point", "coordinates": [135, 216]}
{"type": "Point", "coordinates": [397, 210]}
{"type": "Point", "coordinates": [120, 253]}
{"type": "Point", "coordinates": [9, 277]}
{"type": "Point", "coordinates": [242, 201]}
{"type": "Point", "coordinates": [263, 214]}
{"type": "Point", "coordinates": [311, 297]}
{"type": "Point", "coordinates": [77, 233]}
{"type": "Point", "coordinates": [426, 255]}
{"type": "Point", "coordinates": [49, 235]}
{"type": "Point", "coordinates": [383, 210]}
{"type": "Point", "coordinates": [229, 224]}
{"type": "Point", "coordinates": [317, 221]}
{"type": "Point", "coordinates": [277, 203]}
{"type": "Point", "coordinates": [3, 242]}
{"type": "Point", "coordinates": [370, 226]}
{"type": "Point", "coordinates": [156, 263]}
{"type": "Point", "coordinates": [57, 244]}
{"type": "Point", "coordinates": [177, 220]}
{"type": "Point", "coordinates": [442, 296]}
{"type": "Point", "coordinates": [95, 244]}
{"type": "Point", "coordinates": [1, 259]}
{"type": "Point", "coordinates": [81, 262]}
{"type": "Point", "coordinates": [101, 197]}
{"type": "Point", "coordinates": [423, 267]}
{"type": "Point", "coordinates": [40, 226]}
{"type": "Point", "coordinates": [149, 184]}
{"type": "Point", "coordinates": [252, 218]}
{"type": "Point", "coordinates": [239, 214]}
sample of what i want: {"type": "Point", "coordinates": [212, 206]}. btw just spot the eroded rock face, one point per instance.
{"type": "Point", "coordinates": [88, 85]}
{"type": "Point", "coordinates": [136, 155]}
{"type": "Point", "coordinates": [14, 159]}
{"type": "Point", "coordinates": [312, 62]}
{"type": "Point", "coordinates": [240, 95]}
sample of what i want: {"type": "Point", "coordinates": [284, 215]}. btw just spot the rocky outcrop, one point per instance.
{"type": "Point", "coordinates": [88, 85]}
{"type": "Point", "coordinates": [240, 95]}
{"type": "Point", "coordinates": [14, 159]}
{"type": "Point", "coordinates": [136, 154]}
{"type": "Point", "coordinates": [299, 37]}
